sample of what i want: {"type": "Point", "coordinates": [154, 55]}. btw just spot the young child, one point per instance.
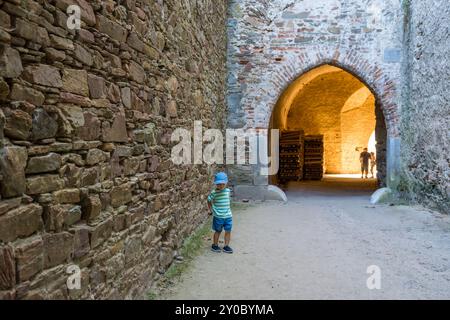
{"type": "Point", "coordinates": [219, 206]}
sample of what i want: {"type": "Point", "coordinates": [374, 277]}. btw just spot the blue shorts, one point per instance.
{"type": "Point", "coordinates": [220, 224]}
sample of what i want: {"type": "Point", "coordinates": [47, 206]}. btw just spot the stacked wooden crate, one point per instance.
{"type": "Point", "coordinates": [313, 165]}
{"type": "Point", "coordinates": [291, 156]}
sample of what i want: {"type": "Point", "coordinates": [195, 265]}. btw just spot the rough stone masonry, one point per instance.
{"type": "Point", "coordinates": [85, 125]}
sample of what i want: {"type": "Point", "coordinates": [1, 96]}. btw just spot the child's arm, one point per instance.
{"type": "Point", "coordinates": [210, 201]}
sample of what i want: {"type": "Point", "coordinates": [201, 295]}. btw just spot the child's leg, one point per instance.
{"type": "Point", "coordinates": [216, 238]}
{"type": "Point", "coordinates": [227, 238]}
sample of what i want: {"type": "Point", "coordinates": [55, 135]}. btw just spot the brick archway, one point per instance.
{"type": "Point", "coordinates": [371, 75]}
{"type": "Point", "coordinates": [282, 107]}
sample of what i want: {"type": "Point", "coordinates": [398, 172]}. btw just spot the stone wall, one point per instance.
{"type": "Point", "coordinates": [85, 125]}
{"type": "Point", "coordinates": [426, 104]}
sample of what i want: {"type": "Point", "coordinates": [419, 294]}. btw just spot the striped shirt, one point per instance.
{"type": "Point", "coordinates": [220, 201]}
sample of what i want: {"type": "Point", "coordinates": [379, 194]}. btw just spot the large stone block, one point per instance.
{"type": "Point", "coordinates": [31, 31]}
{"type": "Point", "coordinates": [18, 125]}
{"type": "Point", "coordinates": [136, 72]}
{"type": "Point", "coordinates": [75, 81]}
{"type": "Point", "coordinates": [81, 245]}
{"type": "Point", "coordinates": [20, 222]}
{"type": "Point", "coordinates": [29, 257]}
{"type": "Point", "coordinates": [120, 195]}
{"type": "Point", "coordinates": [44, 126]}
{"type": "Point", "coordinates": [95, 156]}
{"type": "Point", "coordinates": [12, 164]}
{"type": "Point", "coordinates": [111, 28]}
{"type": "Point", "coordinates": [100, 233]}
{"type": "Point", "coordinates": [83, 55]}
{"type": "Point", "coordinates": [44, 75]}
{"type": "Point", "coordinates": [97, 87]}
{"type": "Point", "coordinates": [7, 205]}
{"type": "Point", "coordinates": [67, 196]}
{"type": "Point", "coordinates": [117, 132]}
{"type": "Point", "coordinates": [43, 184]}
{"type": "Point", "coordinates": [48, 163]}
{"type": "Point", "coordinates": [21, 93]}
{"type": "Point", "coordinates": [71, 116]}
{"type": "Point", "coordinates": [92, 208]}
{"type": "Point", "coordinates": [91, 129]}
{"type": "Point", "coordinates": [10, 62]}
{"type": "Point", "coordinates": [58, 248]}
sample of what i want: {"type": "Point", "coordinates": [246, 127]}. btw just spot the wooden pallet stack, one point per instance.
{"type": "Point", "coordinates": [313, 165]}
{"type": "Point", "coordinates": [291, 156]}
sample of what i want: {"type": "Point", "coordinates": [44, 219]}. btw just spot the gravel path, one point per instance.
{"type": "Point", "coordinates": [319, 246]}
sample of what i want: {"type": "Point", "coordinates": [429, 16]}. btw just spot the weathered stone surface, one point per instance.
{"type": "Point", "coordinates": [172, 85]}
{"type": "Point", "coordinates": [18, 125]}
{"type": "Point", "coordinates": [30, 95]}
{"type": "Point", "coordinates": [136, 72]}
{"type": "Point", "coordinates": [55, 55]}
{"type": "Point", "coordinates": [7, 268]}
{"type": "Point", "coordinates": [58, 248]}
{"type": "Point", "coordinates": [81, 244]}
{"type": "Point", "coordinates": [75, 81]}
{"type": "Point", "coordinates": [32, 32]}
{"type": "Point", "coordinates": [29, 257]}
{"type": "Point", "coordinates": [132, 248]}
{"type": "Point", "coordinates": [100, 233]}
{"type": "Point", "coordinates": [114, 93]}
{"type": "Point", "coordinates": [111, 28]}
{"type": "Point", "coordinates": [9, 204]}
{"type": "Point", "coordinates": [91, 129]}
{"type": "Point", "coordinates": [97, 87]}
{"type": "Point", "coordinates": [95, 156]}
{"type": "Point", "coordinates": [44, 75]}
{"type": "Point", "coordinates": [73, 114]}
{"type": "Point", "coordinates": [48, 163]}
{"type": "Point", "coordinates": [120, 195]}
{"type": "Point", "coordinates": [83, 55]}
{"type": "Point", "coordinates": [61, 43]}
{"type": "Point", "coordinates": [13, 161]}
{"type": "Point", "coordinates": [92, 208]}
{"type": "Point", "coordinates": [67, 196]}
{"type": "Point", "coordinates": [44, 184]}
{"type": "Point", "coordinates": [86, 36]}
{"type": "Point", "coordinates": [4, 89]}
{"type": "Point", "coordinates": [171, 109]}
{"type": "Point", "coordinates": [20, 222]}
{"type": "Point", "coordinates": [117, 132]}
{"type": "Point", "coordinates": [43, 125]}
{"type": "Point", "coordinates": [10, 62]}
{"type": "Point", "coordinates": [54, 217]}
{"type": "Point", "coordinates": [126, 97]}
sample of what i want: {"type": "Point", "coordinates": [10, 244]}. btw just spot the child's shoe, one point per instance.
{"type": "Point", "coordinates": [215, 248]}
{"type": "Point", "coordinates": [227, 249]}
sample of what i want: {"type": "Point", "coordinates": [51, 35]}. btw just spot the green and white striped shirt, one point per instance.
{"type": "Point", "coordinates": [220, 201]}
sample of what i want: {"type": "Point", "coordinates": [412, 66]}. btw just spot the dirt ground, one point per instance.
{"type": "Point", "coordinates": [319, 246]}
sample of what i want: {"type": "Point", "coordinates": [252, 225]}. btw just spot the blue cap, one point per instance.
{"type": "Point", "coordinates": [221, 178]}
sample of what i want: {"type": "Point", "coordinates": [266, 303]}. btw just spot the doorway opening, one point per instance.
{"type": "Point", "coordinates": [334, 116]}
